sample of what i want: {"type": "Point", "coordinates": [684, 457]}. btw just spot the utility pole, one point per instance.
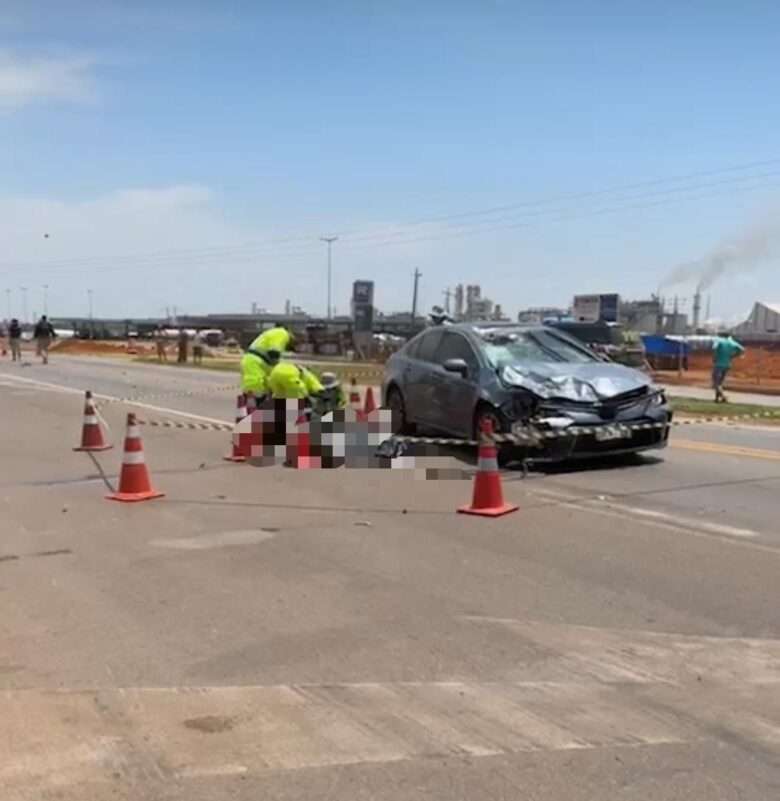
{"type": "Point", "coordinates": [24, 303]}
{"type": "Point", "coordinates": [417, 276]}
{"type": "Point", "coordinates": [46, 299]}
{"type": "Point", "coordinates": [329, 240]}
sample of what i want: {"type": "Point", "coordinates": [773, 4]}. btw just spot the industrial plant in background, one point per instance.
{"type": "Point", "coordinates": [596, 308]}
{"type": "Point", "coordinates": [470, 305]}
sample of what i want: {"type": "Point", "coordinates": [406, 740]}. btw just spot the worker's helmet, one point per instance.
{"type": "Point", "coordinates": [329, 380]}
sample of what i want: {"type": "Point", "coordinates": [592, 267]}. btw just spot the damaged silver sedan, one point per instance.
{"type": "Point", "coordinates": [559, 399]}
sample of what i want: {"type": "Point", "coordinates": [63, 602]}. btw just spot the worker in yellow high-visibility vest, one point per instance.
{"type": "Point", "coordinates": [260, 358]}
{"type": "Point", "coordinates": [290, 381]}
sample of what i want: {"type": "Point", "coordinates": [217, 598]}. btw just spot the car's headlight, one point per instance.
{"type": "Point", "coordinates": [659, 399]}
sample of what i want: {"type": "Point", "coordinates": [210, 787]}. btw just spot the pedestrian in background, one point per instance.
{"type": "Point", "coordinates": [724, 350]}
{"type": "Point", "coordinates": [15, 340]}
{"type": "Point", "coordinates": [44, 333]}
{"type": "Point", "coordinates": [182, 358]}
{"type": "Point", "coordinates": [160, 341]}
{"type": "Point", "coordinates": [198, 341]}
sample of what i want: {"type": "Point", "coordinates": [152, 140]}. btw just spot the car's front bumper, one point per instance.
{"type": "Point", "coordinates": [587, 439]}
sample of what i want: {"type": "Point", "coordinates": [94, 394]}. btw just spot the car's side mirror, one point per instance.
{"type": "Point", "coordinates": [458, 366]}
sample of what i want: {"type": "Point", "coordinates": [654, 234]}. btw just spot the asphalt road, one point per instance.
{"type": "Point", "coordinates": [268, 633]}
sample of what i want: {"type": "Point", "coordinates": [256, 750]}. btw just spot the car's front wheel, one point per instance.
{"type": "Point", "coordinates": [395, 402]}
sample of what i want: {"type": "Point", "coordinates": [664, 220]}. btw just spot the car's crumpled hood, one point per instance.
{"type": "Point", "coordinates": [579, 382]}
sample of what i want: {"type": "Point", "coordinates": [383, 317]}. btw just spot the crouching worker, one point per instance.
{"type": "Point", "coordinates": [291, 382]}
{"type": "Point", "coordinates": [256, 368]}
{"type": "Point", "coordinates": [259, 360]}
{"type": "Point", "coordinates": [298, 389]}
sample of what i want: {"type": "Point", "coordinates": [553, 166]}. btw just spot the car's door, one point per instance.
{"type": "Point", "coordinates": [455, 395]}
{"type": "Point", "coordinates": [418, 389]}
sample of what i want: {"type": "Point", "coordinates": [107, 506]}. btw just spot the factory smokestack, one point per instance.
{"type": "Point", "coordinates": [696, 309]}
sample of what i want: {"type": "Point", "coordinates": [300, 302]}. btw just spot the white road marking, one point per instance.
{"type": "Point", "coordinates": [715, 528]}
{"type": "Point", "coordinates": [197, 772]}
{"type": "Point", "coordinates": [223, 539]}
{"type": "Point", "coordinates": [672, 522]}
{"type": "Point", "coordinates": [71, 391]}
{"type": "Point", "coordinates": [636, 656]}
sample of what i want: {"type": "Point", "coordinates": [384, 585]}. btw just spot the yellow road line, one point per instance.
{"type": "Point", "coordinates": [726, 450]}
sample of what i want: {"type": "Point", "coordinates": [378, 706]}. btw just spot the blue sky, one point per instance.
{"type": "Point", "coordinates": [191, 153]}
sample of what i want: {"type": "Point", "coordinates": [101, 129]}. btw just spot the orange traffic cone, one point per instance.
{"type": "Point", "coordinates": [91, 432]}
{"type": "Point", "coordinates": [238, 453]}
{"type": "Point", "coordinates": [134, 483]}
{"type": "Point", "coordinates": [354, 399]}
{"type": "Point", "coordinates": [370, 404]}
{"type": "Point", "coordinates": [488, 498]}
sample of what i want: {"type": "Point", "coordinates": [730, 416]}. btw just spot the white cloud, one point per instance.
{"type": "Point", "coordinates": [142, 249]}
{"type": "Point", "coordinates": [29, 79]}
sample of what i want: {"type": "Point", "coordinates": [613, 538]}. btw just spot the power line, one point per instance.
{"type": "Point", "coordinates": [208, 262]}
{"type": "Point", "coordinates": [306, 243]}
{"type": "Point", "coordinates": [558, 211]}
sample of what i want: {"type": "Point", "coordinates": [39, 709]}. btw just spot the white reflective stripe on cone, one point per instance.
{"type": "Point", "coordinates": [91, 419]}
{"type": "Point", "coordinates": [133, 457]}
{"type": "Point", "coordinates": [133, 432]}
{"type": "Point", "coordinates": [488, 464]}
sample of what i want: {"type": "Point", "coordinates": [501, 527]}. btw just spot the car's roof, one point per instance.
{"type": "Point", "coordinates": [587, 323]}
{"type": "Point", "coordinates": [480, 325]}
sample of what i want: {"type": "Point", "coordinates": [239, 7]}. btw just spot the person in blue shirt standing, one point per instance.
{"type": "Point", "coordinates": [724, 349]}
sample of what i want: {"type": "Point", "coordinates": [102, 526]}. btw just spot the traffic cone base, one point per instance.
{"type": "Point", "coordinates": [132, 497]}
{"type": "Point", "coordinates": [104, 447]}
{"type": "Point", "coordinates": [505, 509]}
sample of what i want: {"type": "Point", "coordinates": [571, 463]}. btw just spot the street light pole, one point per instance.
{"type": "Point", "coordinates": [329, 240]}
{"type": "Point", "coordinates": [24, 303]}
{"type": "Point", "coordinates": [8, 301]}
{"type": "Point", "coordinates": [417, 276]}
{"type": "Point", "coordinates": [91, 321]}
{"type": "Point", "coordinates": [46, 299]}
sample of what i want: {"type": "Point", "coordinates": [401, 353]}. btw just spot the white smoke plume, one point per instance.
{"type": "Point", "coordinates": [743, 253]}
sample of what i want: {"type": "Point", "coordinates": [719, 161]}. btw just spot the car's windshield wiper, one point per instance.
{"type": "Point", "coordinates": [556, 356]}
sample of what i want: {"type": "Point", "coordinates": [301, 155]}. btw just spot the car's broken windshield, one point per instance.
{"type": "Point", "coordinates": [531, 346]}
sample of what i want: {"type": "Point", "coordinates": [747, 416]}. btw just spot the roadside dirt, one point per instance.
{"type": "Point", "coordinates": [85, 347]}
